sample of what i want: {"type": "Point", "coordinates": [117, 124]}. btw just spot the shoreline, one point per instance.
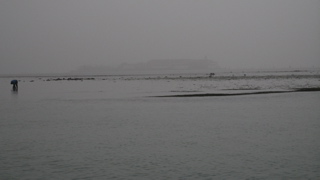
{"type": "Point", "coordinates": [242, 94]}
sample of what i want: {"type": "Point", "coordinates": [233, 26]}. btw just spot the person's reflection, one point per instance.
{"type": "Point", "coordinates": [14, 96]}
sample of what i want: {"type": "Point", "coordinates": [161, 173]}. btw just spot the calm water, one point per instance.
{"type": "Point", "coordinates": [69, 130]}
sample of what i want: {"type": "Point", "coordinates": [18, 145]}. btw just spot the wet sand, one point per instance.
{"type": "Point", "coordinates": [240, 94]}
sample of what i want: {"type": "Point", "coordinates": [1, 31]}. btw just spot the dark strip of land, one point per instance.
{"type": "Point", "coordinates": [240, 94]}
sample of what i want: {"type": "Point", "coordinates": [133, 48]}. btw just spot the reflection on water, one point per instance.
{"type": "Point", "coordinates": [55, 134]}
{"type": "Point", "coordinates": [14, 93]}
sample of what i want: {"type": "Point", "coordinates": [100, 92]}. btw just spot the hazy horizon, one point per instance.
{"type": "Point", "coordinates": [42, 36]}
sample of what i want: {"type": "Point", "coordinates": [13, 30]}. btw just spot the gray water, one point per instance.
{"type": "Point", "coordinates": [63, 133]}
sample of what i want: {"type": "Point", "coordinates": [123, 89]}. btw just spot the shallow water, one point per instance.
{"type": "Point", "coordinates": [114, 130]}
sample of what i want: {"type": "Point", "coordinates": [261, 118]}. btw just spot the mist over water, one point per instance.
{"type": "Point", "coordinates": [57, 36]}
{"type": "Point", "coordinates": [112, 127]}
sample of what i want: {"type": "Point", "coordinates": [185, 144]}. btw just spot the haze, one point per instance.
{"type": "Point", "coordinates": [43, 36]}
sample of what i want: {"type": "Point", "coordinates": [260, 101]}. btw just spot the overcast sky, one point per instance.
{"type": "Point", "coordinates": [39, 36]}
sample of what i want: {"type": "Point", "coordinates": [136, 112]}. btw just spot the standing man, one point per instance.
{"type": "Point", "coordinates": [14, 85]}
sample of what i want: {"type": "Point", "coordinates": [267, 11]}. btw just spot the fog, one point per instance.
{"type": "Point", "coordinates": [43, 36]}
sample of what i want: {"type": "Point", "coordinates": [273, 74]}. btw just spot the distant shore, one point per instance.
{"type": "Point", "coordinates": [182, 84]}
{"type": "Point", "coordinates": [113, 72]}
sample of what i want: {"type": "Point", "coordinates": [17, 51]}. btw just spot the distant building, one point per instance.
{"type": "Point", "coordinates": [153, 66]}
{"type": "Point", "coordinates": [173, 64]}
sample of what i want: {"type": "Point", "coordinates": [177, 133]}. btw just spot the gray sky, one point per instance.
{"type": "Point", "coordinates": [39, 36]}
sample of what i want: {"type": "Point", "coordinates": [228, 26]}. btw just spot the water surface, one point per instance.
{"type": "Point", "coordinates": [114, 130]}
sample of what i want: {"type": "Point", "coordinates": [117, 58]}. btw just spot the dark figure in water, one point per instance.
{"type": "Point", "coordinates": [14, 85]}
{"type": "Point", "coordinates": [211, 74]}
